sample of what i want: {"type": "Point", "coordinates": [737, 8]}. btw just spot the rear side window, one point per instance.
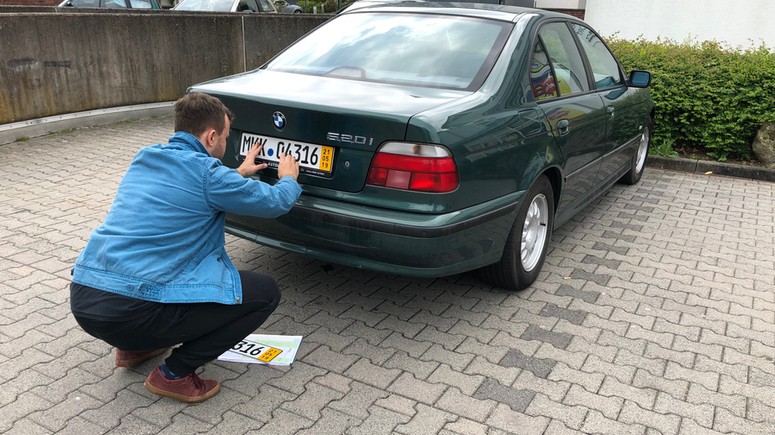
{"type": "Point", "coordinates": [605, 69]}
{"type": "Point", "coordinates": [542, 80]}
{"type": "Point", "coordinates": [565, 59]}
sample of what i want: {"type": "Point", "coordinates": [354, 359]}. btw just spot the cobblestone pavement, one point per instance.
{"type": "Point", "coordinates": [655, 313]}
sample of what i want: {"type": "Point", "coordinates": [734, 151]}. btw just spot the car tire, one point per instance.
{"type": "Point", "coordinates": [528, 241]}
{"type": "Point", "coordinates": [638, 164]}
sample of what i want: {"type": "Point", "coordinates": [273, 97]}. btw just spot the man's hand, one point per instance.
{"type": "Point", "coordinates": [249, 166]}
{"type": "Point", "coordinates": [288, 166]}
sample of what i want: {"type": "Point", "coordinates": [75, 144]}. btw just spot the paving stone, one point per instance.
{"type": "Point", "coordinates": [398, 404]}
{"type": "Point", "coordinates": [468, 384]}
{"type": "Point", "coordinates": [623, 373]}
{"type": "Point", "coordinates": [457, 313]}
{"type": "Point", "coordinates": [601, 311]}
{"type": "Point", "coordinates": [439, 322]}
{"type": "Point", "coordinates": [380, 420]}
{"type": "Point", "coordinates": [427, 420]}
{"type": "Point", "coordinates": [25, 426]}
{"type": "Point", "coordinates": [464, 426]}
{"type": "Point", "coordinates": [295, 380]}
{"type": "Point", "coordinates": [504, 375]}
{"type": "Point", "coordinates": [701, 414]}
{"type": "Point", "coordinates": [360, 330]}
{"type": "Point", "coordinates": [556, 427]}
{"type": "Point", "coordinates": [433, 335]}
{"type": "Point", "coordinates": [310, 403]}
{"type": "Point", "coordinates": [573, 359]}
{"type": "Point", "coordinates": [539, 367]}
{"type": "Point", "coordinates": [398, 342]}
{"type": "Point", "coordinates": [407, 329]}
{"type": "Point", "coordinates": [335, 341]}
{"type": "Point", "coordinates": [726, 421]}
{"type": "Point", "coordinates": [285, 422]}
{"type": "Point", "coordinates": [675, 388]}
{"type": "Point", "coordinates": [332, 422]}
{"type": "Point", "coordinates": [408, 386]}
{"type": "Point", "coordinates": [506, 418]}
{"type": "Point", "coordinates": [734, 403]}
{"type": "Point", "coordinates": [358, 400]}
{"type": "Point", "coordinates": [518, 400]}
{"type": "Point", "coordinates": [402, 360]}
{"type": "Point", "coordinates": [609, 406]}
{"type": "Point", "coordinates": [110, 414]}
{"type": "Point", "coordinates": [571, 416]}
{"type": "Point", "coordinates": [497, 324]}
{"type": "Point", "coordinates": [28, 380]}
{"type": "Point", "coordinates": [462, 404]}
{"type": "Point", "coordinates": [606, 353]}
{"type": "Point", "coordinates": [336, 362]}
{"type": "Point", "coordinates": [589, 381]}
{"type": "Point", "coordinates": [596, 422]}
{"type": "Point", "coordinates": [457, 361]}
{"type": "Point", "coordinates": [233, 422]}
{"type": "Point", "coordinates": [56, 417]}
{"type": "Point", "coordinates": [368, 373]}
{"type": "Point", "coordinates": [690, 427]}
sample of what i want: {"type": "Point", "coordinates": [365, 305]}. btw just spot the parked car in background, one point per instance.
{"type": "Point", "coordinates": [257, 6]}
{"type": "Point", "coordinates": [359, 4]}
{"type": "Point", "coordinates": [112, 4]}
{"type": "Point", "coordinates": [292, 8]}
{"type": "Point", "coordinates": [439, 138]}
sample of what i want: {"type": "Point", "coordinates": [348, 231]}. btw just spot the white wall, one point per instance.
{"type": "Point", "coordinates": [737, 23]}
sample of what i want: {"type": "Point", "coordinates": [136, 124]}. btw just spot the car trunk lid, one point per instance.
{"type": "Point", "coordinates": [350, 121]}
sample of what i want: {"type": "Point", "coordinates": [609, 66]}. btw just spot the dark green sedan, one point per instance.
{"type": "Point", "coordinates": [439, 138]}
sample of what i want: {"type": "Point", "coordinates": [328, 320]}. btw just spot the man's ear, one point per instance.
{"type": "Point", "coordinates": [210, 136]}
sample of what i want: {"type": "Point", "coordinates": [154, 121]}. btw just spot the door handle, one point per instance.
{"type": "Point", "coordinates": [563, 126]}
{"type": "Point", "coordinates": [610, 110]}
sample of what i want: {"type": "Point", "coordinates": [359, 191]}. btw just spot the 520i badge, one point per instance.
{"type": "Point", "coordinates": [349, 138]}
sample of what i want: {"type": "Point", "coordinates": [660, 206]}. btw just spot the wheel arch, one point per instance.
{"type": "Point", "coordinates": [554, 175]}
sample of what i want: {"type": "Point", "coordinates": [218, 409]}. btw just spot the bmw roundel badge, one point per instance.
{"type": "Point", "coordinates": [278, 119]}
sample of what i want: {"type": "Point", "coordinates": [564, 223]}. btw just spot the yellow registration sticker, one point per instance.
{"type": "Point", "coordinates": [269, 354]}
{"type": "Point", "coordinates": [252, 349]}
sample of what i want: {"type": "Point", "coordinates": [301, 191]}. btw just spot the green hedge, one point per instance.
{"type": "Point", "coordinates": [707, 97]}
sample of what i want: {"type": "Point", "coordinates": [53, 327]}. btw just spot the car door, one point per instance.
{"type": "Point", "coordinates": [624, 122]}
{"type": "Point", "coordinates": [576, 115]}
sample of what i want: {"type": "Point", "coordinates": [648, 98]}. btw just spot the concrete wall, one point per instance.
{"type": "Point", "coordinates": [54, 63]}
{"type": "Point", "coordinates": [737, 23]}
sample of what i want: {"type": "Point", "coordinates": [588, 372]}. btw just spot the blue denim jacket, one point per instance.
{"type": "Point", "coordinates": [163, 239]}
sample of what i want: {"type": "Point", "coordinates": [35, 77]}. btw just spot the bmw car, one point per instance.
{"type": "Point", "coordinates": [439, 138]}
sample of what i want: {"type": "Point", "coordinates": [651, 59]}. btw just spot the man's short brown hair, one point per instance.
{"type": "Point", "coordinates": [197, 112]}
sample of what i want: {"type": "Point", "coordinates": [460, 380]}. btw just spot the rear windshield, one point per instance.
{"type": "Point", "coordinates": [438, 51]}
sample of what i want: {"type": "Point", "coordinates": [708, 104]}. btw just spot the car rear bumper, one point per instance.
{"type": "Point", "coordinates": [412, 244]}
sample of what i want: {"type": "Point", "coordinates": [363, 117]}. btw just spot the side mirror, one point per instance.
{"type": "Point", "coordinates": [640, 79]}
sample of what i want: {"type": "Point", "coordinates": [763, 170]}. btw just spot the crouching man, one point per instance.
{"type": "Point", "coordinates": [156, 274]}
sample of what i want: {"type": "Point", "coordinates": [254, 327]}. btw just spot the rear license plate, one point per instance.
{"type": "Point", "coordinates": [312, 158]}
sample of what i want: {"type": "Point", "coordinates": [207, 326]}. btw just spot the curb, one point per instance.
{"type": "Point", "coordinates": [716, 168]}
{"type": "Point", "coordinates": [90, 118]}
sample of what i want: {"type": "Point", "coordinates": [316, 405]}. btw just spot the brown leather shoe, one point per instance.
{"type": "Point", "coordinates": [126, 358]}
{"type": "Point", "coordinates": [191, 389]}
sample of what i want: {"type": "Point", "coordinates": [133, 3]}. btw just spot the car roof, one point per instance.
{"type": "Point", "coordinates": [481, 10]}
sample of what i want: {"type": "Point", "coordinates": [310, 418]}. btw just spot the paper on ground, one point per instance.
{"type": "Point", "coordinates": [289, 344]}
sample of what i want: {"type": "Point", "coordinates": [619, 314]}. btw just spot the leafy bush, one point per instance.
{"type": "Point", "coordinates": [707, 97]}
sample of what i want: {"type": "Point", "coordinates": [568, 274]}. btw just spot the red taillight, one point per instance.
{"type": "Point", "coordinates": [424, 168]}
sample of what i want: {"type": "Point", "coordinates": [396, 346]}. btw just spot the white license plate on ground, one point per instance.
{"type": "Point", "coordinates": [313, 158]}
